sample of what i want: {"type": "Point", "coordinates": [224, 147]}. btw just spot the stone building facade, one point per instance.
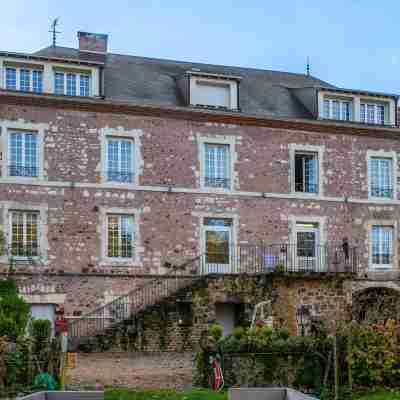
{"type": "Point", "coordinates": [172, 207]}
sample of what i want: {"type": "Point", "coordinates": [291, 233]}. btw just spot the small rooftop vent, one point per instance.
{"type": "Point", "coordinates": [92, 42]}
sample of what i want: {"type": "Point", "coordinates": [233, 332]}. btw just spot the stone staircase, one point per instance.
{"type": "Point", "coordinates": [103, 320]}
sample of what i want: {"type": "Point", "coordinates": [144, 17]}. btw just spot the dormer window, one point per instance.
{"type": "Point", "coordinates": [24, 79]}
{"type": "Point", "coordinates": [338, 109]}
{"type": "Point", "coordinates": [72, 83]}
{"type": "Point", "coordinates": [215, 91]}
{"type": "Point", "coordinates": [372, 113]}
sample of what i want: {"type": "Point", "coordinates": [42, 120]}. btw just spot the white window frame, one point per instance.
{"type": "Point", "coordinates": [7, 208]}
{"type": "Point", "coordinates": [230, 83]}
{"type": "Point", "coordinates": [234, 230]}
{"type": "Point", "coordinates": [294, 149]}
{"type": "Point", "coordinates": [24, 212]}
{"type": "Point", "coordinates": [7, 127]}
{"type": "Point", "coordinates": [383, 267]}
{"type": "Point", "coordinates": [133, 261]}
{"type": "Point", "coordinates": [138, 163]}
{"type": "Point", "coordinates": [77, 82]}
{"type": "Point", "coordinates": [382, 154]}
{"type": "Point", "coordinates": [132, 166]}
{"type": "Point", "coordinates": [18, 78]}
{"type": "Point", "coordinates": [341, 103]}
{"type": "Point", "coordinates": [217, 140]}
{"type": "Point", "coordinates": [294, 221]}
{"type": "Point", "coordinates": [367, 103]}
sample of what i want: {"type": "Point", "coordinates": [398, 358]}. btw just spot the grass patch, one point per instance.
{"type": "Point", "coordinates": [198, 394]}
{"type": "Point", "coordinates": [380, 395]}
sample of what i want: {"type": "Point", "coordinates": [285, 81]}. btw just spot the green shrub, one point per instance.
{"type": "Point", "coordinates": [7, 286]}
{"type": "Point", "coordinates": [238, 332]}
{"type": "Point", "coordinates": [217, 331]}
{"type": "Point", "coordinates": [41, 333]}
{"type": "Point", "coordinates": [14, 312]}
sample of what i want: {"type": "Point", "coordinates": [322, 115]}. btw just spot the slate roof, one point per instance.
{"type": "Point", "coordinates": [151, 81]}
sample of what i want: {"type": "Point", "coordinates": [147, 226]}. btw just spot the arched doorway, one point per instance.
{"type": "Point", "coordinates": [375, 305]}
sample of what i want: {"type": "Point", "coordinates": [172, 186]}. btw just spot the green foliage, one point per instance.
{"type": "Point", "coordinates": [217, 331]}
{"type": "Point", "coordinates": [41, 333]}
{"type": "Point", "coordinates": [238, 332]}
{"type": "Point", "coordinates": [7, 286]}
{"type": "Point", "coordinates": [14, 312]}
{"type": "Point", "coordinates": [197, 394]}
{"type": "Point", "coordinates": [374, 355]}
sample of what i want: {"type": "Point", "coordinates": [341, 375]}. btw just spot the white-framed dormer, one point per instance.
{"type": "Point", "coordinates": [37, 75]}
{"type": "Point", "coordinates": [22, 150]}
{"type": "Point", "coordinates": [126, 170]}
{"type": "Point", "coordinates": [217, 158]}
{"type": "Point", "coordinates": [309, 159]}
{"type": "Point", "coordinates": [362, 107]}
{"type": "Point", "coordinates": [382, 175]}
{"type": "Point", "coordinates": [123, 248]}
{"type": "Point", "coordinates": [212, 90]}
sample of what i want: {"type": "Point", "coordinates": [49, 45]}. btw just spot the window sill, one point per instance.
{"type": "Point", "coordinates": [120, 262]}
{"type": "Point", "coordinates": [383, 199]}
{"type": "Point", "coordinates": [381, 268]}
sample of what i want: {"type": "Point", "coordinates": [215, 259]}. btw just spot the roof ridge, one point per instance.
{"type": "Point", "coordinates": [191, 62]}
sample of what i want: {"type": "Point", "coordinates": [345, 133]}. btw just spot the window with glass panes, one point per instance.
{"type": "Point", "coordinates": [37, 81]}
{"type": "Point", "coordinates": [120, 236]}
{"type": "Point", "coordinates": [24, 80]}
{"type": "Point", "coordinates": [306, 172]}
{"type": "Point", "coordinates": [338, 109]}
{"type": "Point", "coordinates": [72, 84]}
{"type": "Point", "coordinates": [23, 154]}
{"type": "Point", "coordinates": [382, 245]}
{"type": "Point", "coordinates": [84, 85]}
{"type": "Point", "coordinates": [217, 165]}
{"type": "Point", "coordinates": [59, 83]}
{"type": "Point", "coordinates": [11, 78]}
{"type": "Point", "coordinates": [24, 233]}
{"type": "Point", "coordinates": [372, 113]}
{"type": "Point", "coordinates": [120, 160]}
{"type": "Point", "coordinates": [381, 177]}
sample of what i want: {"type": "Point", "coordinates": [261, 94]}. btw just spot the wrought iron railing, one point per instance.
{"type": "Point", "coordinates": [223, 183]}
{"type": "Point", "coordinates": [145, 295]}
{"type": "Point", "coordinates": [248, 259]}
{"type": "Point", "coordinates": [381, 191]}
{"type": "Point", "coordinates": [306, 187]}
{"type": "Point", "coordinates": [119, 176]}
{"type": "Point", "coordinates": [23, 171]}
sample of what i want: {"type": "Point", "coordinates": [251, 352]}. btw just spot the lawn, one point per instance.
{"type": "Point", "coordinates": [121, 394]}
{"type": "Point", "coordinates": [126, 394]}
{"type": "Point", "coordinates": [380, 396]}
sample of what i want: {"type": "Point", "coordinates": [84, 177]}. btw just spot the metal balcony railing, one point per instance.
{"type": "Point", "coordinates": [380, 191]}
{"type": "Point", "coordinates": [250, 259]}
{"type": "Point", "coordinates": [23, 171]}
{"type": "Point", "coordinates": [223, 183]}
{"type": "Point", "coordinates": [119, 176]}
{"type": "Point", "coordinates": [306, 187]}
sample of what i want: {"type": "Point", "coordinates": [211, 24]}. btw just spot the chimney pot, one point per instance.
{"type": "Point", "coordinates": [93, 42]}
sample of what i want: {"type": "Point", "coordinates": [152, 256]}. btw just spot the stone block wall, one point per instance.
{"type": "Point", "coordinates": [169, 201]}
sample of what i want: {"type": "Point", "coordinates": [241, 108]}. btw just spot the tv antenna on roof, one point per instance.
{"type": "Point", "coordinates": [54, 31]}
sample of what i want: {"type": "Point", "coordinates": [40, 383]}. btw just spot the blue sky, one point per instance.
{"type": "Point", "coordinates": [351, 43]}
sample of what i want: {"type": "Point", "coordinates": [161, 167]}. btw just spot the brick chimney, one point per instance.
{"type": "Point", "coordinates": [93, 42]}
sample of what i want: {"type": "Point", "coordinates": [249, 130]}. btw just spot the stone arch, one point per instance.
{"type": "Point", "coordinates": [376, 303]}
